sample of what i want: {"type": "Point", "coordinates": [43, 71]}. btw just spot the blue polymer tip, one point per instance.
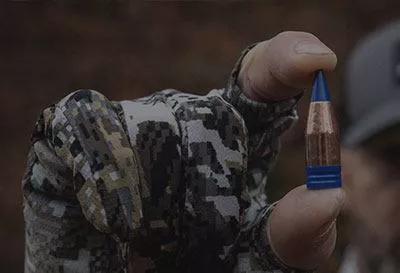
{"type": "Point", "coordinates": [320, 90]}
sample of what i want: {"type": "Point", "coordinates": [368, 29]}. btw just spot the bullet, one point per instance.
{"type": "Point", "coordinates": [322, 139]}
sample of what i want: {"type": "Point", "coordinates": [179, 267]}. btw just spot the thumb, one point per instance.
{"type": "Point", "coordinates": [280, 67]}
{"type": "Point", "coordinates": [302, 229]}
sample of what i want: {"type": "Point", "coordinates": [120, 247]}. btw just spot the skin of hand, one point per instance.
{"type": "Point", "coordinates": [302, 226]}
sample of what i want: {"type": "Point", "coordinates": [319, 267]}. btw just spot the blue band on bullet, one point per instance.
{"type": "Point", "coordinates": [324, 177]}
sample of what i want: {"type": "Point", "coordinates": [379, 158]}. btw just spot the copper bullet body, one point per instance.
{"type": "Point", "coordinates": [322, 136]}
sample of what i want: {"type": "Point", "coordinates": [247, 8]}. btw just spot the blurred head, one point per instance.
{"type": "Point", "coordinates": [371, 154]}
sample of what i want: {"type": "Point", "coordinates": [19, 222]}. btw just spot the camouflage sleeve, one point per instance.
{"type": "Point", "coordinates": [206, 205]}
{"type": "Point", "coordinates": [180, 177]}
{"type": "Point", "coordinates": [81, 189]}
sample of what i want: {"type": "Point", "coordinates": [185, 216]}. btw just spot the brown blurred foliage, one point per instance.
{"type": "Point", "coordinates": [127, 50]}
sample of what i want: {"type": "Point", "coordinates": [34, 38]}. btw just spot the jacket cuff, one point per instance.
{"type": "Point", "coordinates": [262, 249]}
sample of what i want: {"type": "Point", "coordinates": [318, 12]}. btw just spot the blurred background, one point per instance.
{"type": "Point", "coordinates": [128, 50]}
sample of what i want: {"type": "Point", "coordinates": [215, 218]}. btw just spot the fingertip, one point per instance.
{"type": "Point", "coordinates": [303, 65]}
{"type": "Point", "coordinates": [284, 65]}
{"type": "Point", "coordinates": [334, 200]}
{"type": "Point", "coordinates": [295, 56]}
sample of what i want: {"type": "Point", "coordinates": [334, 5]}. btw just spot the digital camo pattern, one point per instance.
{"type": "Point", "coordinates": [169, 183]}
{"type": "Point", "coordinates": [81, 189]}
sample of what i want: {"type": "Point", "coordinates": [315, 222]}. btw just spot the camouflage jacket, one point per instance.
{"type": "Point", "coordinates": [172, 182]}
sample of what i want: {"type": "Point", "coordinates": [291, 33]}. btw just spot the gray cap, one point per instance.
{"type": "Point", "coordinates": [373, 85]}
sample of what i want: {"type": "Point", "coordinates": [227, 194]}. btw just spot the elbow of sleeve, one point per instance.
{"type": "Point", "coordinates": [72, 119]}
{"type": "Point", "coordinates": [89, 137]}
{"type": "Point", "coordinates": [82, 99]}
{"type": "Point", "coordinates": [77, 106]}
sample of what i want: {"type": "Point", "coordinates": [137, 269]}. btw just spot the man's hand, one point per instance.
{"type": "Point", "coordinates": [281, 67]}
{"type": "Point", "coordinates": [301, 229]}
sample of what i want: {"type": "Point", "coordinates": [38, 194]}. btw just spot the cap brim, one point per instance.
{"type": "Point", "coordinates": [383, 117]}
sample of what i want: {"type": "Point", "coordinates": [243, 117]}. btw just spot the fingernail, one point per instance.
{"type": "Point", "coordinates": [308, 47]}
